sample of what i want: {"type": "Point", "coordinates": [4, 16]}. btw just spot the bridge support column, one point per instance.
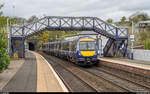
{"type": "Point", "coordinates": [17, 47]}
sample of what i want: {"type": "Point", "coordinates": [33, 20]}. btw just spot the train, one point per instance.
{"type": "Point", "coordinates": [80, 50]}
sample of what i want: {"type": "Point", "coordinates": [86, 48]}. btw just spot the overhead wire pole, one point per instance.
{"type": "Point", "coordinates": [132, 41]}
{"type": "Point", "coordinates": [132, 33]}
{"type": "Point", "coordinates": [8, 33]}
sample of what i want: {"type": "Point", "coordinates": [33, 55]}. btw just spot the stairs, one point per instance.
{"type": "Point", "coordinates": [107, 46]}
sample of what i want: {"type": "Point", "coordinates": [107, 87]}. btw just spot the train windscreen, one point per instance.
{"type": "Point", "coordinates": [87, 46]}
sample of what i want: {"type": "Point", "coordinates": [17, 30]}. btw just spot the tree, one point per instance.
{"type": "Point", "coordinates": [140, 17]}
{"type": "Point", "coordinates": [123, 20]}
{"type": "Point", "coordinates": [147, 44]}
{"type": "Point", "coordinates": [32, 19]}
{"type": "Point", "coordinates": [1, 5]}
{"type": "Point", "coordinates": [4, 58]}
{"type": "Point", "coordinates": [110, 20]}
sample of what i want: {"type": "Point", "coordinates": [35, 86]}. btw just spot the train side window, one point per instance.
{"type": "Point", "coordinates": [67, 46]}
{"type": "Point", "coordinates": [52, 46]}
{"type": "Point", "coordinates": [49, 46]}
{"type": "Point", "coordinates": [73, 46]}
{"type": "Point", "coordinates": [63, 46]}
{"type": "Point", "coordinates": [59, 46]}
{"type": "Point", "coordinates": [55, 46]}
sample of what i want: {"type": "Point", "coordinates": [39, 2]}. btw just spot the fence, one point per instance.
{"type": "Point", "coordinates": [139, 54]}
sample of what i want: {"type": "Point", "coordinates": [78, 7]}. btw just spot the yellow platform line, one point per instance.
{"type": "Point", "coordinates": [47, 78]}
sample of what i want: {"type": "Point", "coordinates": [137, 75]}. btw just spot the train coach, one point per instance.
{"type": "Point", "coordinates": [80, 50]}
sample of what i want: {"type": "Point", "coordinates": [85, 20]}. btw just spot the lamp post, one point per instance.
{"type": "Point", "coordinates": [132, 33]}
{"type": "Point", "coordinates": [8, 34]}
{"type": "Point", "coordinates": [13, 6]}
{"type": "Point", "coordinates": [132, 39]}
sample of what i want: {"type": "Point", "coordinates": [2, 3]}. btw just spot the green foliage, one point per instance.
{"type": "Point", "coordinates": [32, 19]}
{"type": "Point", "coordinates": [147, 44]}
{"type": "Point", "coordinates": [110, 20]}
{"type": "Point", "coordinates": [1, 11]}
{"type": "Point", "coordinates": [4, 58]}
{"type": "Point", "coordinates": [140, 17]}
{"type": "Point", "coordinates": [144, 35]}
{"type": "Point", "coordinates": [123, 20]}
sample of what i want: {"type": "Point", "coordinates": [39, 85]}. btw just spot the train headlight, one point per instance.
{"type": "Point", "coordinates": [98, 52]}
{"type": "Point", "coordinates": [79, 53]}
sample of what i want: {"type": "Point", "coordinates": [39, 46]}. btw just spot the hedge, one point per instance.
{"type": "Point", "coordinates": [147, 44]}
{"type": "Point", "coordinates": [4, 57]}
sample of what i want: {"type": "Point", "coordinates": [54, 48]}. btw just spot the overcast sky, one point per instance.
{"type": "Point", "coordinates": [103, 9]}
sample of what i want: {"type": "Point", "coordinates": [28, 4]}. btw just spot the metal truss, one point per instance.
{"type": "Point", "coordinates": [119, 48]}
{"type": "Point", "coordinates": [69, 23]}
{"type": "Point", "coordinates": [117, 36]}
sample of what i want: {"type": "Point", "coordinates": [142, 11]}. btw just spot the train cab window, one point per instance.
{"type": "Point", "coordinates": [87, 45]}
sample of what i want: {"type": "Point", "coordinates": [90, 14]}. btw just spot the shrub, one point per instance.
{"type": "Point", "coordinates": [147, 44]}
{"type": "Point", "coordinates": [4, 58]}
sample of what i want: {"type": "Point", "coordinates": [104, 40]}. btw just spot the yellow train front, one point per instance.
{"type": "Point", "coordinates": [87, 51]}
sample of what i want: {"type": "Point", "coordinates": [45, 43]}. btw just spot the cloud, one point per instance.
{"type": "Point", "coordinates": [100, 8]}
{"type": "Point", "coordinates": [135, 5]}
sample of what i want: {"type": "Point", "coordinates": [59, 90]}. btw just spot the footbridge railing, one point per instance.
{"type": "Point", "coordinates": [70, 23]}
{"type": "Point", "coordinates": [21, 32]}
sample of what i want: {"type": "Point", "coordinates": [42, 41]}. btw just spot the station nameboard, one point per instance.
{"type": "Point", "coordinates": [132, 37]}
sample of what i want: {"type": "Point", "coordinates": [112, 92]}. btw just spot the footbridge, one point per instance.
{"type": "Point", "coordinates": [118, 37]}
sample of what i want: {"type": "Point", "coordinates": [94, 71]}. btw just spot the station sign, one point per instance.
{"type": "Point", "coordinates": [132, 37]}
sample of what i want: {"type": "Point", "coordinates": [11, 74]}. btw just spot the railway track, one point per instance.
{"type": "Point", "coordinates": [132, 85]}
{"type": "Point", "coordinates": [73, 82]}
{"type": "Point", "coordinates": [95, 82]}
{"type": "Point", "coordinates": [122, 82]}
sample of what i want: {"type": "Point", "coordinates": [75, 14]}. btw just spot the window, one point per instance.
{"type": "Point", "coordinates": [73, 45]}
{"type": "Point", "coordinates": [65, 46]}
{"type": "Point", "coordinates": [87, 45]}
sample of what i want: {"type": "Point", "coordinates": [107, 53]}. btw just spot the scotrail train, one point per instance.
{"type": "Point", "coordinates": [79, 50]}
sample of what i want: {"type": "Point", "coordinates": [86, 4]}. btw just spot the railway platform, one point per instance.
{"type": "Point", "coordinates": [142, 67]}
{"type": "Point", "coordinates": [34, 75]}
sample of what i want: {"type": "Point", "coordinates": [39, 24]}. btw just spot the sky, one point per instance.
{"type": "Point", "coordinates": [103, 9]}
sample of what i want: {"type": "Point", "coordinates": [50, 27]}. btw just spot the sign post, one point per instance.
{"type": "Point", "coordinates": [132, 38]}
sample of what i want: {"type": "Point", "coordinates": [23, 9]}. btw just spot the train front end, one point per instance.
{"type": "Point", "coordinates": [87, 51]}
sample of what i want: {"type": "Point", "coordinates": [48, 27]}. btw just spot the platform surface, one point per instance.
{"type": "Point", "coordinates": [133, 63]}
{"type": "Point", "coordinates": [35, 75]}
{"type": "Point", "coordinates": [47, 79]}
{"type": "Point", "coordinates": [25, 79]}
{"type": "Point", "coordinates": [8, 73]}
